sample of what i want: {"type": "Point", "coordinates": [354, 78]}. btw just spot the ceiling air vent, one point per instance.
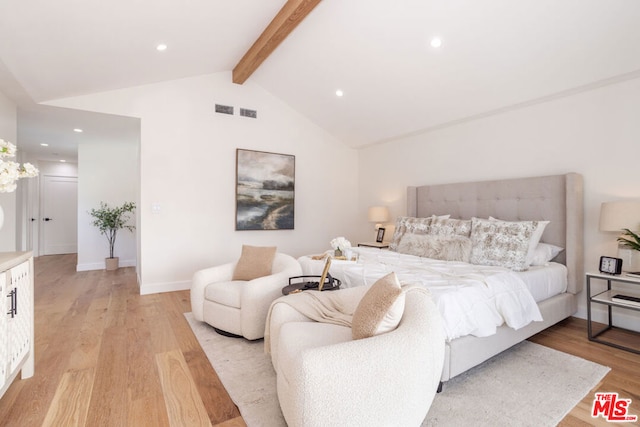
{"type": "Point", "coordinates": [224, 109]}
{"type": "Point", "coordinates": [245, 112]}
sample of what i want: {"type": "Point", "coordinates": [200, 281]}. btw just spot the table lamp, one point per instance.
{"type": "Point", "coordinates": [378, 215]}
{"type": "Point", "coordinates": [616, 217]}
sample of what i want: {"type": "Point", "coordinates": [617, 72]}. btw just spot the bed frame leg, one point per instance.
{"type": "Point", "coordinates": [439, 390]}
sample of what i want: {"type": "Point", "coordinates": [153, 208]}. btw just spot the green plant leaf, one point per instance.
{"type": "Point", "coordinates": [110, 220]}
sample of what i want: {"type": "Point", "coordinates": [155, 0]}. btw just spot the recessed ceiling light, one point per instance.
{"type": "Point", "coordinates": [436, 42]}
{"type": "Point", "coordinates": [78, 130]}
{"type": "Point", "coordinates": [44, 144]}
{"type": "Point", "coordinates": [339, 93]}
{"type": "Point", "coordinates": [63, 161]}
{"type": "Point", "coordinates": [161, 47]}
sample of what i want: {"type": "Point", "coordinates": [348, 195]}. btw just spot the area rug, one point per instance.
{"type": "Point", "coordinates": [527, 385]}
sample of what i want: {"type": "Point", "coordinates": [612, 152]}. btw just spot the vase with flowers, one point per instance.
{"type": "Point", "coordinates": [340, 245]}
{"type": "Point", "coordinates": [11, 172]}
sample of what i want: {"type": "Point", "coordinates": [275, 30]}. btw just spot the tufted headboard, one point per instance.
{"type": "Point", "coordinates": [556, 198]}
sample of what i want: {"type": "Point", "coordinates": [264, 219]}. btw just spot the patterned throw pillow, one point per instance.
{"type": "Point", "coordinates": [450, 227]}
{"type": "Point", "coordinates": [501, 243]}
{"type": "Point", "coordinates": [444, 248]}
{"type": "Point", "coordinates": [411, 225]}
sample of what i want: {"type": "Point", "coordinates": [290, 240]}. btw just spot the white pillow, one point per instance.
{"type": "Point", "coordinates": [544, 253]}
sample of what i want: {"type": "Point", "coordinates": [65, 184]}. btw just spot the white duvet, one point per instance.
{"type": "Point", "coordinates": [473, 299]}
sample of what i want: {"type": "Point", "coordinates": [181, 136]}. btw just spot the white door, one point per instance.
{"type": "Point", "coordinates": [59, 218]}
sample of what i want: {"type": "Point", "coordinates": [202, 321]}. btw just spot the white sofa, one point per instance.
{"type": "Point", "coordinates": [324, 378]}
{"type": "Point", "coordinates": [239, 307]}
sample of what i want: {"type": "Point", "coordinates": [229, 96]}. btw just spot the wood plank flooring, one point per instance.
{"type": "Point", "coordinates": [107, 356]}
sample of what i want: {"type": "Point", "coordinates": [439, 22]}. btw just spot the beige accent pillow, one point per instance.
{"type": "Point", "coordinates": [380, 310]}
{"type": "Point", "coordinates": [255, 261]}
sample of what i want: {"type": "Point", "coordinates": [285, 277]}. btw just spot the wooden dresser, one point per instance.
{"type": "Point", "coordinates": [16, 317]}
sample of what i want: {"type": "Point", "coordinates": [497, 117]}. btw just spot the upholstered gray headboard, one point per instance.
{"type": "Point", "coordinates": [556, 198]}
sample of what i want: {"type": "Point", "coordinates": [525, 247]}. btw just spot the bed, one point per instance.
{"type": "Point", "coordinates": [556, 199]}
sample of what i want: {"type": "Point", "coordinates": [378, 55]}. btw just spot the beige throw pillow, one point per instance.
{"type": "Point", "coordinates": [380, 310]}
{"type": "Point", "coordinates": [255, 261]}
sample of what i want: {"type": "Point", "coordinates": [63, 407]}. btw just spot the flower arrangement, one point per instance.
{"type": "Point", "coordinates": [11, 171]}
{"type": "Point", "coordinates": [339, 245]}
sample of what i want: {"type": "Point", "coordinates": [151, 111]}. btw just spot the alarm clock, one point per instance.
{"type": "Point", "coordinates": [610, 265]}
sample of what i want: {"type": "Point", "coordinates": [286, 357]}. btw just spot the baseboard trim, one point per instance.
{"type": "Point", "coordinates": [156, 288]}
{"type": "Point", "coordinates": [100, 265]}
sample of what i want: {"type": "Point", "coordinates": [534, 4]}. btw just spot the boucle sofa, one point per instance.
{"type": "Point", "coordinates": [325, 378]}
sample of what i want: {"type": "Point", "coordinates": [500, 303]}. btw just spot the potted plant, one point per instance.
{"type": "Point", "coordinates": [633, 244]}
{"type": "Point", "coordinates": [109, 221]}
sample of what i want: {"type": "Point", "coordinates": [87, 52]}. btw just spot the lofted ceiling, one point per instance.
{"type": "Point", "coordinates": [495, 55]}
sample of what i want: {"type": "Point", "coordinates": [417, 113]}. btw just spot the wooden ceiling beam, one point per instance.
{"type": "Point", "coordinates": [288, 18]}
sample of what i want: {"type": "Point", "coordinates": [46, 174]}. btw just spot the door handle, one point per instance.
{"type": "Point", "coordinates": [33, 219]}
{"type": "Point", "coordinates": [47, 219]}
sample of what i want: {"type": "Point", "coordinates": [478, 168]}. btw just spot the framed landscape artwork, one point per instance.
{"type": "Point", "coordinates": [265, 184]}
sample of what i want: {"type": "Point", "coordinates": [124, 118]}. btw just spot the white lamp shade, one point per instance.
{"type": "Point", "coordinates": [378, 214]}
{"type": "Point", "coordinates": [616, 216]}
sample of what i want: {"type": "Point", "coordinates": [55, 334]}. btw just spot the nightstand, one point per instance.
{"type": "Point", "coordinates": [378, 245]}
{"type": "Point", "coordinates": [611, 298]}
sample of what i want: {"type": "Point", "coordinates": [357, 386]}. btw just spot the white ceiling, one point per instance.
{"type": "Point", "coordinates": [496, 54]}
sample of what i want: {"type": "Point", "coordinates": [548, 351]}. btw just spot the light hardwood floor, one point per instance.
{"type": "Point", "coordinates": [107, 356]}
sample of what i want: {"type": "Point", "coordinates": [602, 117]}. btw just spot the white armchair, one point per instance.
{"type": "Point", "coordinates": [239, 307]}
{"type": "Point", "coordinates": [324, 378]}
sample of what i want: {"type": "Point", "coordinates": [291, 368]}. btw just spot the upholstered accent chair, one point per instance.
{"type": "Point", "coordinates": [326, 378]}
{"type": "Point", "coordinates": [239, 307]}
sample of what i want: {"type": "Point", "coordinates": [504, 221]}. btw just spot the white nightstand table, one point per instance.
{"type": "Point", "coordinates": [612, 298]}
{"type": "Point", "coordinates": [379, 245]}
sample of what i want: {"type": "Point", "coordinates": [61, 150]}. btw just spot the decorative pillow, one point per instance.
{"type": "Point", "coordinates": [501, 243]}
{"type": "Point", "coordinates": [535, 238]}
{"type": "Point", "coordinates": [544, 253]}
{"type": "Point", "coordinates": [450, 227]}
{"type": "Point", "coordinates": [380, 309]}
{"type": "Point", "coordinates": [255, 261]}
{"type": "Point", "coordinates": [408, 224]}
{"type": "Point", "coordinates": [445, 248]}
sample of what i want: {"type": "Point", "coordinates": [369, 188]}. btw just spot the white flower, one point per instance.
{"type": "Point", "coordinates": [340, 243]}
{"type": "Point", "coordinates": [11, 171]}
{"type": "Point", "coordinates": [28, 171]}
{"type": "Point", "coordinates": [7, 149]}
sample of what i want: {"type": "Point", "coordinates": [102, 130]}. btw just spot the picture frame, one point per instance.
{"type": "Point", "coordinates": [380, 235]}
{"type": "Point", "coordinates": [265, 190]}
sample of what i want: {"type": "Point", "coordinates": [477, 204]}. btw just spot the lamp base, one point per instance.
{"type": "Point", "coordinates": [630, 259]}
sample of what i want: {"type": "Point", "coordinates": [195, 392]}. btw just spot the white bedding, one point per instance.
{"type": "Point", "coordinates": [545, 281]}
{"type": "Point", "coordinates": [473, 299]}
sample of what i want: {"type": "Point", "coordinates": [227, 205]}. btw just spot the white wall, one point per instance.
{"type": "Point", "coordinates": [595, 133]}
{"type": "Point", "coordinates": [187, 167]}
{"type": "Point", "coordinates": [8, 132]}
{"type": "Point", "coordinates": [114, 184]}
